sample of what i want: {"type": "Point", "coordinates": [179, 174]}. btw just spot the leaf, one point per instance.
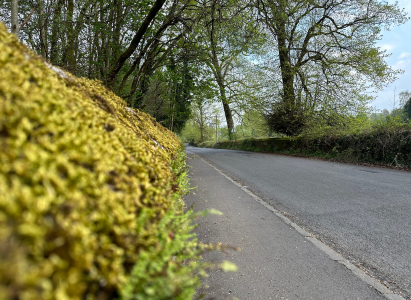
{"type": "Point", "coordinates": [227, 266]}
{"type": "Point", "coordinates": [206, 212]}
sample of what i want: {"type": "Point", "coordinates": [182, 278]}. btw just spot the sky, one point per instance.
{"type": "Point", "coordinates": [398, 42]}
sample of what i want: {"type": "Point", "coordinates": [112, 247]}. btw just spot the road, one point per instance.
{"type": "Point", "coordinates": [363, 213]}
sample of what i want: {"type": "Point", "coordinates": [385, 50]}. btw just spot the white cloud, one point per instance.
{"type": "Point", "coordinates": [404, 55]}
{"type": "Point", "coordinates": [387, 47]}
{"type": "Point", "coordinates": [401, 64]}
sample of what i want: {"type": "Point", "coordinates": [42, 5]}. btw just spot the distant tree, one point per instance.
{"type": "Point", "coordinates": [203, 115]}
{"type": "Point", "coordinates": [227, 34]}
{"type": "Point", "coordinates": [376, 117]}
{"type": "Point", "coordinates": [191, 132]}
{"type": "Point", "coordinates": [397, 113]}
{"type": "Point", "coordinates": [252, 125]}
{"type": "Point", "coordinates": [404, 97]}
{"type": "Point", "coordinates": [169, 96]}
{"type": "Point", "coordinates": [407, 109]}
{"type": "Point", "coordinates": [385, 112]}
{"type": "Point", "coordinates": [405, 106]}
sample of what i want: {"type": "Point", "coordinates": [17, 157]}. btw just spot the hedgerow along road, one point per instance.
{"type": "Point", "coordinates": [363, 213]}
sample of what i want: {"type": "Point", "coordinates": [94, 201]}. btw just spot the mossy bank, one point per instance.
{"type": "Point", "coordinates": [89, 203]}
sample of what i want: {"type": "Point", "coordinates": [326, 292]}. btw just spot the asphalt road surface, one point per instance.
{"type": "Point", "coordinates": [363, 213]}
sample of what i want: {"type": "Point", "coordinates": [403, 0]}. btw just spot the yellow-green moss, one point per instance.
{"type": "Point", "coordinates": [78, 169]}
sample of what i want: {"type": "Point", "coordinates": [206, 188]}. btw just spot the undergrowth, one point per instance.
{"type": "Point", "coordinates": [177, 252]}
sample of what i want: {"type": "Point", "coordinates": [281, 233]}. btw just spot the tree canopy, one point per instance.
{"type": "Point", "coordinates": [326, 55]}
{"type": "Point", "coordinates": [295, 62]}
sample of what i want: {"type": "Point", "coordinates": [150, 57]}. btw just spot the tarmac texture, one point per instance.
{"type": "Point", "coordinates": [276, 261]}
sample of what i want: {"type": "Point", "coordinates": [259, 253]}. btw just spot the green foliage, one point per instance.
{"type": "Point", "coordinates": [321, 76]}
{"type": "Point", "coordinates": [387, 143]}
{"type": "Point", "coordinates": [287, 119]}
{"type": "Point", "coordinates": [166, 270]}
{"type": "Point", "coordinates": [253, 125]}
{"type": "Point", "coordinates": [298, 60]}
{"type": "Point", "coordinates": [251, 144]}
{"type": "Point", "coordinates": [337, 125]}
{"type": "Point", "coordinates": [407, 109]}
{"type": "Point", "coordinates": [190, 133]}
{"type": "Point", "coordinates": [180, 180]}
{"type": "Point", "coordinates": [384, 143]}
{"type": "Point", "coordinates": [228, 40]}
{"type": "Point", "coordinates": [201, 126]}
{"type": "Point", "coordinates": [168, 98]}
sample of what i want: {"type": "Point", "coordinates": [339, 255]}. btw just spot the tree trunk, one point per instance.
{"type": "Point", "coordinates": [90, 46]}
{"type": "Point", "coordinates": [228, 114]}
{"type": "Point", "coordinates": [227, 110]}
{"type": "Point", "coordinates": [42, 27]}
{"type": "Point", "coordinates": [172, 107]}
{"type": "Point", "coordinates": [118, 7]}
{"type": "Point", "coordinates": [100, 43]}
{"type": "Point", "coordinates": [134, 43]}
{"type": "Point", "coordinates": [201, 124]}
{"type": "Point", "coordinates": [71, 59]}
{"type": "Point", "coordinates": [73, 30]}
{"type": "Point", "coordinates": [220, 77]}
{"type": "Point", "coordinates": [287, 72]}
{"type": "Point", "coordinates": [15, 29]}
{"type": "Point", "coordinates": [55, 32]}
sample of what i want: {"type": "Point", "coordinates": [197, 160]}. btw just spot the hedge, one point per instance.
{"type": "Point", "coordinates": [387, 144]}
{"type": "Point", "coordinates": [89, 203]}
{"type": "Point", "coordinates": [384, 144]}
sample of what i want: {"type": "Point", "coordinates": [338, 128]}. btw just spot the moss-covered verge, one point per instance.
{"type": "Point", "coordinates": [90, 191]}
{"type": "Point", "coordinates": [383, 144]}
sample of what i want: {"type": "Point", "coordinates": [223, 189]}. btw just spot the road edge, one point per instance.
{"type": "Point", "coordinates": [387, 293]}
